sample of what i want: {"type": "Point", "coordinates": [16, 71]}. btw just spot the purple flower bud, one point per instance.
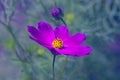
{"type": "Point", "coordinates": [57, 13]}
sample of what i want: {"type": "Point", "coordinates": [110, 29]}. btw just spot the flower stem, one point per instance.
{"type": "Point", "coordinates": [63, 68]}
{"type": "Point", "coordinates": [63, 21]}
{"type": "Point", "coordinates": [54, 56]}
{"type": "Point", "coordinates": [23, 57]}
{"type": "Point", "coordinates": [55, 3]}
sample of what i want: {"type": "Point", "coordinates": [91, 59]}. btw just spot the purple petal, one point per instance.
{"type": "Point", "coordinates": [46, 30]}
{"type": "Point", "coordinates": [62, 32]}
{"type": "Point", "coordinates": [43, 26]}
{"type": "Point", "coordinates": [78, 38]}
{"type": "Point", "coordinates": [33, 31]}
{"type": "Point", "coordinates": [44, 35]}
{"type": "Point", "coordinates": [42, 42]}
{"type": "Point", "coordinates": [75, 51]}
{"type": "Point", "coordinates": [75, 39]}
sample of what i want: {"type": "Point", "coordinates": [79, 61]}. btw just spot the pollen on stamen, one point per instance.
{"type": "Point", "coordinates": [57, 43]}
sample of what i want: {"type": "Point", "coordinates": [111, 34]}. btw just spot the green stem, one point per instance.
{"type": "Point", "coordinates": [54, 56]}
{"type": "Point", "coordinates": [17, 42]}
{"type": "Point", "coordinates": [25, 59]}
{"type": "Point", "coordinates": [63, 21]}
{"type": "Point", "coordinates": [4, 11]}
{"type": "Point", "coordinates": [55, 3]}
{"type": "Point", "coordinates": [63, 68]}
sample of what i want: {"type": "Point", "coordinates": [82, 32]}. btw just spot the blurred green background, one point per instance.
{"type": "Point", "coordinates": [98, 19]}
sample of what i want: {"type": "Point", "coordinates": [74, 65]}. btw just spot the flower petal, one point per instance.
{"type": "Point", "coordinates": [43, 26]}
{"type": "Point", "coordinates": [41, 42]}
{"type": "Point", "coordinates": [46, 30]}
{"type": "Point", "coordinates": [44, 35]}
{"type": "Point", "coordinates": [33, 31]}
{"type": "Point", "coordinates": [75, 39]}
{"type": "Point", "coordinates": [78, 38]}
{"type": "Point", "coordinates": [62, 32]}
{"type": "Point", "coordinates": [75, 51]}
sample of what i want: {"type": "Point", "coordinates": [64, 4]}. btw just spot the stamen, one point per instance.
{"type": "Point", "coordinates": [57, 43]}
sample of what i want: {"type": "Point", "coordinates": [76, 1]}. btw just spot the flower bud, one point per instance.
{"type": "Point", "coordinates": [57, 13]}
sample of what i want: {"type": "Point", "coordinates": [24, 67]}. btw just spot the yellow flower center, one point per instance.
{"type": "Point", "coordinates": [57, 43]}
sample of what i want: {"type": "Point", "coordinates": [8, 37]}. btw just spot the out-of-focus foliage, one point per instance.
{"type": "Point", "coordinates": [99, 19]}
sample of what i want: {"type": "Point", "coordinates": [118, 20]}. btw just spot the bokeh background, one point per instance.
{"type": "Point", "coordinates": [98, 19]}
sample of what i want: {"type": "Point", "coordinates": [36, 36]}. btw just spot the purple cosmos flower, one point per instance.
{"type": "Point", "coordinates": [57, 13]}
{"type": "Point", "coordinates": [59, 41]}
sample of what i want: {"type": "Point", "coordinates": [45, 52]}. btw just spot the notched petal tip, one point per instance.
{"type": "Point", "coordinates": [78, 38]}
{"type": "Point", "coordinates": [62, 27]}
{"type": "Point", "coordinates": [44, 26]}
{"type": "Point", "coordinates": [30, 28]}
{"type": "Point", "coordinates": [88, 50]}
{"type": "Point", "coordinates": [83, 36]}
{"type": "Point", "coordinates": [62, 32]}
{"type": "Point", "coordinates": [85, 50]}
{"type": "Point", "coordinates": [33, 31]}
{"type": "Point", "coordinates": [42, 23]}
